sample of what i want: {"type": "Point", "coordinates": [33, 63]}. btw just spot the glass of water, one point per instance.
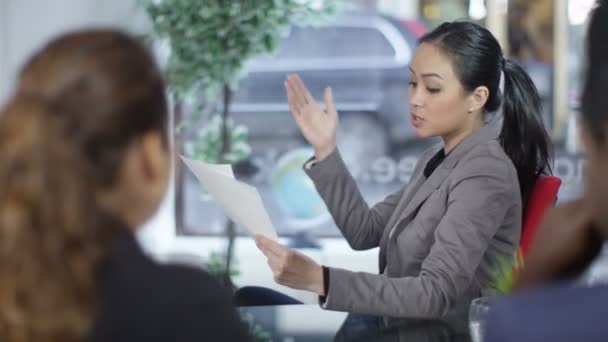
{"type": "Point", "coordinates": [478, 314]}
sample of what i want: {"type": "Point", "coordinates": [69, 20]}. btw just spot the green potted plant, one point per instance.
{"type": "Point", "coordinates": [209, 43]}
{"type": "Point", "coordinates": [505, 273]}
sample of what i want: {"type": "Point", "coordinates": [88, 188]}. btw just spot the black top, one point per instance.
{"type": "Point", "coordinates": [141, 300]}
{"type": "Point", "coordinates": [433, 163]}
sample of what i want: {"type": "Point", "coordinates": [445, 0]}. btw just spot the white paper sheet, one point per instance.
{"type": "Point", "coordinates": [241, 202]}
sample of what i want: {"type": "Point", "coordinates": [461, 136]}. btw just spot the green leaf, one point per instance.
{"type": "Point", "coordinates": [505, 271]}
{"type": "Point", "coordinates": [211, 40]}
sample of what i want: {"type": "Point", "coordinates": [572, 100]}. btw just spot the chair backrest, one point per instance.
{"type": "Point", "coordinates": [543, 196]}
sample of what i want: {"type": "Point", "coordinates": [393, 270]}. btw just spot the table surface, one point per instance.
{"type": "Point", "coordinates": [287, 323]}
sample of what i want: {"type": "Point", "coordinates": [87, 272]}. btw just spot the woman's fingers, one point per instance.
{"type": "Point", "coordinates": [299, 84]}
{"type": "Point", "coordinates": [291, 101]}
{"type": "Point", "coordinates": [298, 94]}
{"type": "Point", "coordinates": [329, 101]}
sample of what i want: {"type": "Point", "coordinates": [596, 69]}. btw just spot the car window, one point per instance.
{"type": "Point", "coordinates": [302, 43]}
{"type": "Point", "coordinates": [334, 41]}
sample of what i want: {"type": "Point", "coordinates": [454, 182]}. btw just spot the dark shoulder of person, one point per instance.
{"type": "Point", "coordinates": [139, 299]}
{"type": "Point", "coordinates": [558, 312]}
{"type": "Point", "coordinates": [207, 311]}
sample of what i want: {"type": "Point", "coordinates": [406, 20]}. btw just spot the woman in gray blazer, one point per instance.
{"type": "Point", "coordinates": [441, 235]}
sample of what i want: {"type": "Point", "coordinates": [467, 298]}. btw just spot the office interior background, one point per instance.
{"type": "Point", "coordinates": [363, 54]}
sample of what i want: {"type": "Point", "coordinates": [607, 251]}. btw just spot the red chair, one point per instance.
{"type": "Point", "coordinates": [543, 196]}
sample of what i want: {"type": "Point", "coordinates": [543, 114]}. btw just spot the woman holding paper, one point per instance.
{"type": "Point", "coordinates": [84, 163]}
{"type": "Point", "coordinates": [440, 235]}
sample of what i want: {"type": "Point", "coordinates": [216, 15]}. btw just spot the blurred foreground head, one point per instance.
{"type": "Point", "coordinates": [84, 159]}
{"type": "Point", "coordinates": [595, 116]}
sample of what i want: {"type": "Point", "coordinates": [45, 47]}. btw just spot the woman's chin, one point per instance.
{"type": "Point", "coordinates": [422, 133]}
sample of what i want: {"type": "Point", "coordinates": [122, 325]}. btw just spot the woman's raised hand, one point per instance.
{"type": "Point", "coordinates": [317, 125]}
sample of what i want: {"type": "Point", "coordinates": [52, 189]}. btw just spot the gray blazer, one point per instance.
{"type": "Point", "coordinates": [439, 237]}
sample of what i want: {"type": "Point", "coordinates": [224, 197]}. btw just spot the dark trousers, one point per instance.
{"type": "Point", "coordinates": [359, 327]}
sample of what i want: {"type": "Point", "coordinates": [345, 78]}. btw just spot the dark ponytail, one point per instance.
{"type": "Point", "coordinates": [523, 135]}
{"type": "Point", "coordinates": [51, 234]}
{"type": "Point", "coordinates": [478, 61]}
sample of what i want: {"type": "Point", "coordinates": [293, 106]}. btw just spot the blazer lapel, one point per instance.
{"type": "Point", "coordinates": [419, 193]}
{"type": "Point", "coordinates": [412, 188]}
{"type": "Point", "coordinates": [415, 183]}
{"type": "Point", "coordinates": [427, 188]}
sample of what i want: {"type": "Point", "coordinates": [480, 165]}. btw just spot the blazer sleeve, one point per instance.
{"type": "Point", "coordinates": [361, 225]}
{"type": "Point", "coordinates": [480, 195]}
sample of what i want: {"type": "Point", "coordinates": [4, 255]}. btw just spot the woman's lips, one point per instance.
{"type": "Point", "coordinates": [417, 121]}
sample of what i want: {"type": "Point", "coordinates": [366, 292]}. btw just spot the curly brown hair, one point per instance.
{"type": "Point", "coordinates": [79, 102]}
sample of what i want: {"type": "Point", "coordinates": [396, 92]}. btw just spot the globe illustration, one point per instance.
{"type": "Point", "coordinates": [295, 193]}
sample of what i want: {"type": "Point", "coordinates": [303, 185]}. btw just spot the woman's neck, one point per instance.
{"type": "Point", "coordinates": [451, 140]}
{"type": "Point", "coordinates": [120, 206]}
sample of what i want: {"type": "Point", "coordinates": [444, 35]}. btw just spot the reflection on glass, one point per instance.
{"type": "Point", "coordinates": [364, 57]}
{"type": "Point", "coordinates": [478, 313]}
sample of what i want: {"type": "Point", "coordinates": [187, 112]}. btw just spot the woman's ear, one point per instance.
{"type": "Point", "coordinates": [154, 156]}
{"type": "Point", "coordinates": [478, 98]}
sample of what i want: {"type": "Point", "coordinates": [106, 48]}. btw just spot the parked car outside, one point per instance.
{"type": "Point", "coordinates": [363, 57]}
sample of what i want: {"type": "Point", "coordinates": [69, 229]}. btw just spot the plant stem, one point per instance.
{"type": "Point", "coordinates": [226, 147]}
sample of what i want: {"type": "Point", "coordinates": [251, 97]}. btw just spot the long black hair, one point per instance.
{"type": "Point", "coordinates": [478, 60]}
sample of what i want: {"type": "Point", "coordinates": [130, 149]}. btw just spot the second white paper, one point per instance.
{"type": "Point", "coordinates": [241, 202]}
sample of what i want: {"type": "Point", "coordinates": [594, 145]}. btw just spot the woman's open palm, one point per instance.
{"type": "Point", "coordinates": [317, 125]}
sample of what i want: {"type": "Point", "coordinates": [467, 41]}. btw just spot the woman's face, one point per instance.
{"type": "Point", "coordinates": [154, 173]}
{"type": "Point", "coordinates": [142, 180]}
{"type": "Point", "coordinates": [439, 105]}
